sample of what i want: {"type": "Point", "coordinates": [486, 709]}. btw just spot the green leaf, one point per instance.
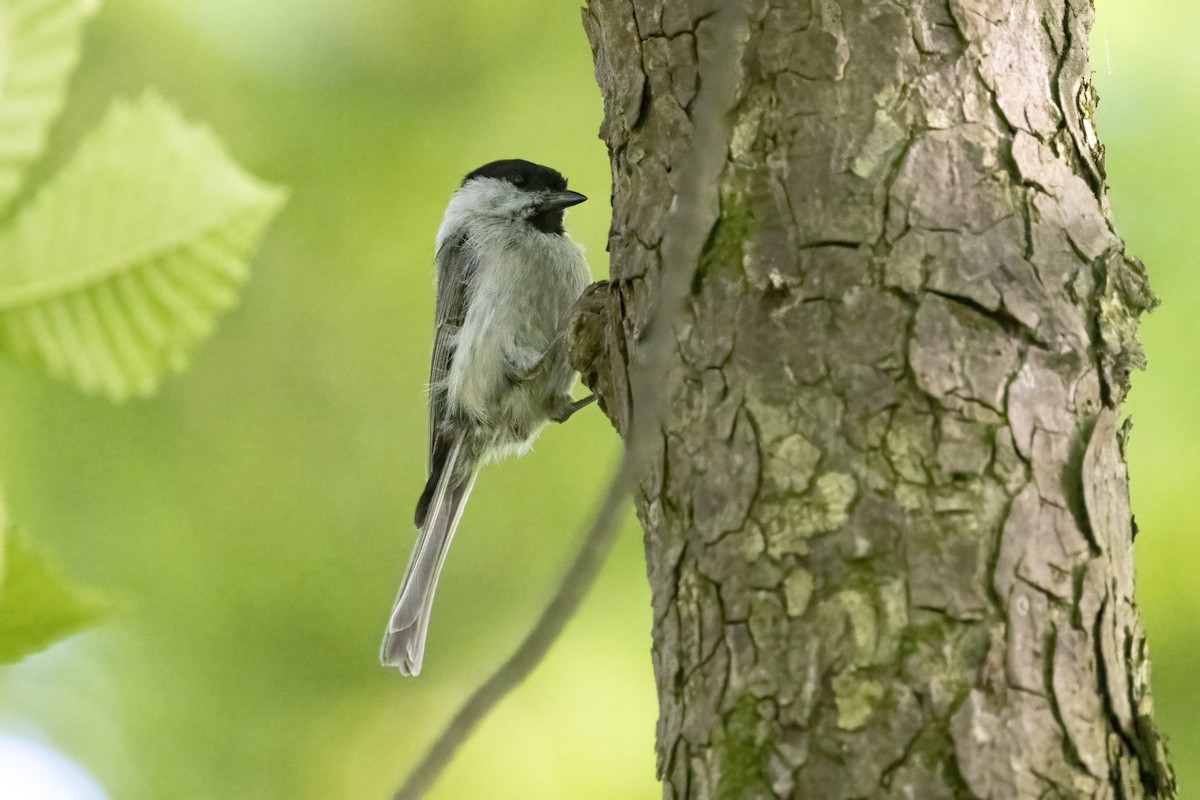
{"type": "Point", "coordinates": [39, 47]}
{"type": "Point", "coordinates": [37, 608]}
{"type": "Point", "coordinates": [123, 260]}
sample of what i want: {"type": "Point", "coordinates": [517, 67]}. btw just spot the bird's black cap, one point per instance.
{"type": "Point", "coordinates": [522, 174]}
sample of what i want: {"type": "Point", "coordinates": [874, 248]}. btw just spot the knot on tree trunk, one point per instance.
{"type": "Point", "coordinates": [590, 337]}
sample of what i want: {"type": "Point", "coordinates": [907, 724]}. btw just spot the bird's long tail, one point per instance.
{"type": "Point", "coordinates": [404, 639]}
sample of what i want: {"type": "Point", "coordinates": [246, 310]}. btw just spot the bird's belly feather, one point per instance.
{"type": "Point", "coordinates": [518, 309]}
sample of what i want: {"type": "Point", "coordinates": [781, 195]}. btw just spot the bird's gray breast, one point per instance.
{"type": "Point", "coordinates": [510, 364]}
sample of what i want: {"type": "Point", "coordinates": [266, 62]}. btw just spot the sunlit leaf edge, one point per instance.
{"type": "Point", "coordinates": [118, 327]}
{"type": "Point", "coordinates": [39, 49]}
{"type": "Point", "coordinates": [37, 607]}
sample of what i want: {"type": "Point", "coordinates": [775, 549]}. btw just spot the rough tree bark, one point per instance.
{"type": "Point", "coordinates": [887, 530]}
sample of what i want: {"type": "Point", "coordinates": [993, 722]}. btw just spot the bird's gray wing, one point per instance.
{"type": "Point", "coordinates": [455, 274]}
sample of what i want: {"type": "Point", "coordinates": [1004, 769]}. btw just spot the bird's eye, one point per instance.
{"type": "Point", "coordinates": [519, 180]}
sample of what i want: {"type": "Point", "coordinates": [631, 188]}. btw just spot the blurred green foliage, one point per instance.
{"type": "Point", "coordinates": [111, 270]}
{"type": "Point", "coordinates": [37, 607]}
{"type": "Point", "coordinates": [119, 264]}
{"type": "Point", "coordinates": [251, 522]}
{"type": "Point", "coordinates": [253, 519]}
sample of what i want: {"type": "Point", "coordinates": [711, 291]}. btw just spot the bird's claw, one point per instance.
{"type": "Point", "coordinates": [568, 410]}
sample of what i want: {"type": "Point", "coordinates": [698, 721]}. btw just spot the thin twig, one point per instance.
{"type": "Point", "coordinates": [696, 209]}
{"type": "Point", "coordinates": [694, 213]}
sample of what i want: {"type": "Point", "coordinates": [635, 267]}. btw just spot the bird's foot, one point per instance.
{"type": "Point", "coordinates": [568, 409]}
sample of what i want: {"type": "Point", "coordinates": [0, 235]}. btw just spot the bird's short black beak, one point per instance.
{"type": "Point", "coordinates": [556, 201]}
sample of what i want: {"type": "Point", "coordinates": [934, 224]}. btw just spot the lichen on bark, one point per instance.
{"type": "Point", "coordinates": [887, 531]}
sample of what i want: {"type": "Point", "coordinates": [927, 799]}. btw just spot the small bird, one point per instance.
{"type": "Point", "coordinates": [507, 276]}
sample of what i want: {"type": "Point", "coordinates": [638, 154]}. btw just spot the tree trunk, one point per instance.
{"type": "Point", "coordinates": [887, 528]}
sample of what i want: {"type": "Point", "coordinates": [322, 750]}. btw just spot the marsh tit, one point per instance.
{"type": "Point", "coordinates": [507, 276]}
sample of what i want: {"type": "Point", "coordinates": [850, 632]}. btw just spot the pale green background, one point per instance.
{"type": "Point", "coordinates": [252, 521]}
